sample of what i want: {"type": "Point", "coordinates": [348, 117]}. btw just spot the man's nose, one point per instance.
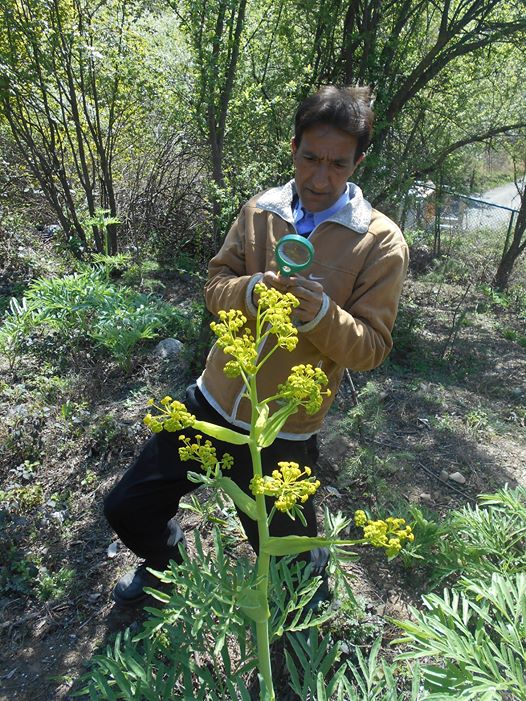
{"type": "Point", "coordinates": [320, 178]}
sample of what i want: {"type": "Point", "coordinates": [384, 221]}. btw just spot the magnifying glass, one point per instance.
{"type": "Point", "coordinates": [293, 253]}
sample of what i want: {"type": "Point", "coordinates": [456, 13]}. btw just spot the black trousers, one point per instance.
{"type": "Point", "coordinates": [139, 507]}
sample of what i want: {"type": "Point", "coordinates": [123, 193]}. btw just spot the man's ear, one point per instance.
{"type": "Point", "coordinates": [359, 160]}
{"type": "Point", "coordinates": [293, 146]}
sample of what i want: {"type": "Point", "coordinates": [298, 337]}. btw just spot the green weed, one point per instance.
{"type": "Point", "coordinates": [26, 470]}
{"type": "Point", "coordinates": [23, 574]}
{"type": "Point", "coordinates": [406, 333]}
{"type": "Point", "coordinates": [114, 265]}
{"type": "Point", "coordinates": [415, 236]}
{"type": "Point", "coordinates": [23, 500]}
{"type": "Point", "coordinates": [18, 573]}
{"type": "Point", "coordinates": [511, 334]}
{"type": "Point", "coordinates": [90, 479]}
{"type": "Point", "coordinates": [103, 432]}
{"type": "Point", "coordinates": [496, 299]}
{"type": "Point", "coordinates": [351, 623]}
{"type": "Point", "coordinates": [477, 420]}
{"type": "Point", "coordinates": [54, 585]}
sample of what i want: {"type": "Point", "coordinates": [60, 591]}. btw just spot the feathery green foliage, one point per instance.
{"type": "Point", "coordinates": [80, 309]}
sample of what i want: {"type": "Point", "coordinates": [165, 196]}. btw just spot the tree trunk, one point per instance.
{"type": "Point", "coordinates": [514, 250]}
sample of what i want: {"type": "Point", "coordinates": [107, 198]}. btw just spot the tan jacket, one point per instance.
{"type": "Point", "coordinates": [360, 259]}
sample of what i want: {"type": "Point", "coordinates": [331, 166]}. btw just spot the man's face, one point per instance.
{"type": "Point", "coordinates": [323, 163]}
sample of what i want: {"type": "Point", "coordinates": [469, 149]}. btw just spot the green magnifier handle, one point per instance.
{"type": "Point", "coordinates": [293, 254]}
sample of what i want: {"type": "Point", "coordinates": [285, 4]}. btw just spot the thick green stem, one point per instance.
{"type": "Point", "coordinates": [262, 631]}
{"type": "Point", "coordinates": [263, 562]}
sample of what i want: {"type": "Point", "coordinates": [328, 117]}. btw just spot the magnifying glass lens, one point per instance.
{"type": "Point", "coordinates": [294, 253]}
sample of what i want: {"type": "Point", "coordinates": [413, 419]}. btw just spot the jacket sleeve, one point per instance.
{"type": "Point", "coordinates": [358, 335]}
{"type": "Point", "coordinates": [228, 285]}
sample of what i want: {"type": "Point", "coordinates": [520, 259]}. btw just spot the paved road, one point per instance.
{"type": "Point", "coordinates": [480, 216]}
{"type": "Point", "coordinates": [505, 195]}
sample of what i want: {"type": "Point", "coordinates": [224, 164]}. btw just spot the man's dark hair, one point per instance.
{"type": "Point", "coordinates": [348, 109]}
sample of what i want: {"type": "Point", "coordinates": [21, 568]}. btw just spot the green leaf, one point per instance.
{"type": "Point", "coordinates": [240, 498]}
{"type": "Point", "coordinates": [274, 426]}
{"type": "Point", "coordinates": [222, 433]}
{"type": "Point", "coordinates": [448, 679]}
{"type": "Point", "coordinates": [253, 603]}
{"type": "Point", "coordinates": [263, 411]}
{"type": "Point", "coordinates": [293, 544]}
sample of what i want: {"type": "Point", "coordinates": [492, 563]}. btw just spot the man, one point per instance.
{"type": "Point", "coordinates": [348, 304]}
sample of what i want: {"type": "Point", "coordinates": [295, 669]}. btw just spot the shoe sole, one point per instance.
{"type": "Point", "coordinates": [129, 603]}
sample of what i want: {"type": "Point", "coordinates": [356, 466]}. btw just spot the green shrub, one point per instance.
{"type": "Point", "coordinates": [84, 308]}
{"type": "Point", "coordinates": [474, 541]}
{"type": "Point", "coordinates": [478, 637]}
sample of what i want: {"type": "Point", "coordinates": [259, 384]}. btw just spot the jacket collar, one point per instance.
{"type": "Point", "coordinates": [356, 215]}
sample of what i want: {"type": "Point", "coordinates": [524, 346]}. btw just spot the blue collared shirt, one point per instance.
{"type": "Point", "coordinates": [306, 221]}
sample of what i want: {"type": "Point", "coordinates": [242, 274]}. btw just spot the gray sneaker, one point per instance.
{"type": "Point", "coordinates": [129, 590]}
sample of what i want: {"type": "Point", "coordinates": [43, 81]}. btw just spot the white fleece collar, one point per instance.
{"type": "Point", "coordinates": [355, 215]}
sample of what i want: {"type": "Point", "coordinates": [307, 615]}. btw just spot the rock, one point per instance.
{"type": "Point", "coordinates": [333, 491]}
{"type": "Point", "coordinates": [426, 498]}
{"type": "Point", "coordinates": [457, 477]}
{"type": "Point", "coordinates": [168, 348]}
{"type": "Point", "coordinates": [58, 516]}
{"type": "Point", "coordinates": [444, 475]}
{"type": "Point", "coordinates": [112, 549]}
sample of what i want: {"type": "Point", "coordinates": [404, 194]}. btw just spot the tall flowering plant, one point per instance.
{"type": "Point", "coordinates": [290, 485]}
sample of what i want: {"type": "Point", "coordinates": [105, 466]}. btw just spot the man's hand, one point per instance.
{"type": "Point", "coordinates": [308, 292]}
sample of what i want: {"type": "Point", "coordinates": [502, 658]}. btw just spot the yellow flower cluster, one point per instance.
{"type": "Point", "coordinates": [303, 386]}
{"type": "Point", "coordinates": [173, 416]}
{"type": "Point", "coordinates": [203, 453]}
{"type": "Point", "coordinates": [390, 534]}
{"type": "Point", "coordinates": [288, 485]}
{"type": "Point", "coordinates": [275, 308]}
{"type": "Point", "coordinates": [242, 348]}
{"type": "Point", "coordinates": [360, 518]}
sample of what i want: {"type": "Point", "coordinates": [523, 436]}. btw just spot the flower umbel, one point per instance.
{"type": "Point", "coordinates": [204, 453]}
{"type": "Point", "coordinates": [360, 518]}
{"type": "Point", "coordinates": [288, 485]}
{"type": "Point", "coordinates": [303, 387]}
{"type": "Point", "coordinates": [275, 308]}
{"type": "Point", "coordinates": [389, 534]}
{"type": "Point", "coordinates": [241, 347]}
{"type": "Point", "coordinates": [173, 416]}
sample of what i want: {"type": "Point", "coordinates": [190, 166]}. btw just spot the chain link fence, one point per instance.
{"type": "Point", "coordinates": [439, 213]}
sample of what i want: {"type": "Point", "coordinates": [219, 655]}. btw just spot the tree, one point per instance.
{"type": "Point", "coordinates": [65, 72]}
{"type": "Point", "coordinates": [445, 76]}
{"type": "Point", "coordinates": [515, 243]}
{"type": "Point", "coordinates": [214, 32]}
{"type": "Point", "coordinates": [415, 55]}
